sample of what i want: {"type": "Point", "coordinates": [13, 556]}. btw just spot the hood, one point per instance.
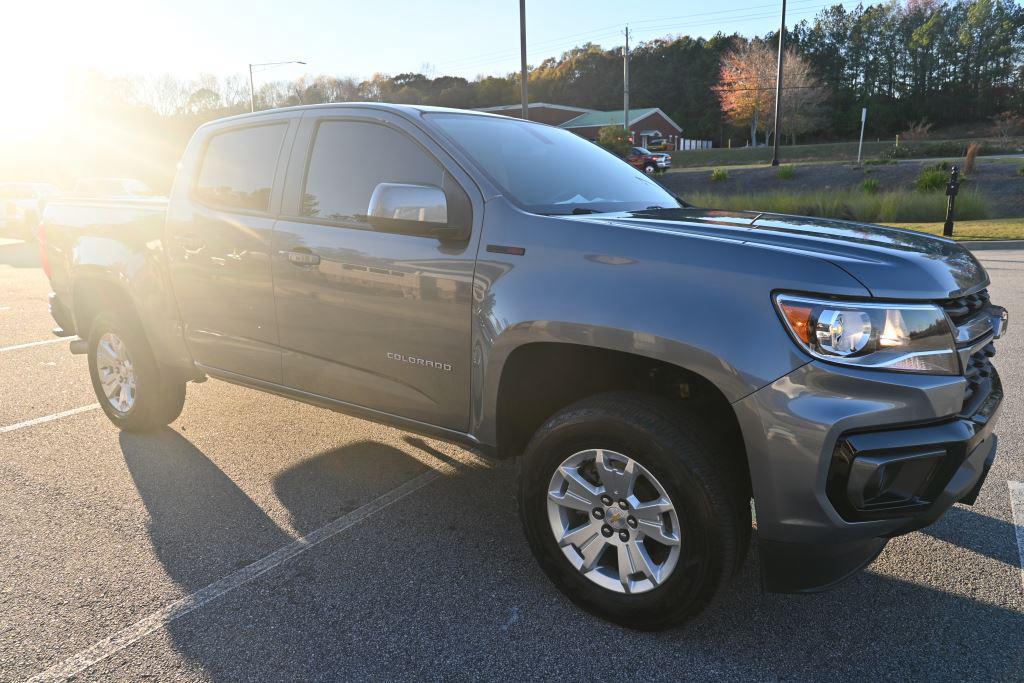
{"type": "Point", "coordinates": [891, 263]}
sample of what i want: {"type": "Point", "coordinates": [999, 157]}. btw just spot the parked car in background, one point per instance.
{"type": "Point", "coordinates": [647, 161]}
{"type": "Point", "coordinates": [659, 145]}
{"type": "Point", "coordinates": [21, 205]}
{"type": "Point", "coordinates": [113, 187]}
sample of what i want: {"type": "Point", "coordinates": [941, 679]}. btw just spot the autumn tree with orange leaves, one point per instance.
{"type": "Point", "coordinates": [747, 91]}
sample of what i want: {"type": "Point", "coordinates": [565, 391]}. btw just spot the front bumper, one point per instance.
{"type": "Point", "coordinates": [842, 460]}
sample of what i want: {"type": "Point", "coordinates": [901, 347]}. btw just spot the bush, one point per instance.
{"type": "Point", "coordinates": [970, 157]}
{"type": "Point", "coordinates": [870, 185]}
{"type": "Point", "coordinates": [615, 139]}
{"type": "Point", "coordinates": [931, 180]}
{"type": "Point", "coordinates": [883, 207]}
{"type": "Point", "coordinates": [787, 172]}
{"type": "Point", "coordinates": [719, 174]}
{"type": "Point", "coordinates": [1020, 171]}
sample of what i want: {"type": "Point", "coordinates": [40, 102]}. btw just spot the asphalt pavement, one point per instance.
{"type": "Point", "coordinates": [262, 539]}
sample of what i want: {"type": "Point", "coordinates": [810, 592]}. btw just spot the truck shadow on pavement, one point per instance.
{"type": "Point", "coordinates": [441, 584]}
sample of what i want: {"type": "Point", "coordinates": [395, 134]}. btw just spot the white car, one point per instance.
{"type": "Point", "coordinates": [21, 205]}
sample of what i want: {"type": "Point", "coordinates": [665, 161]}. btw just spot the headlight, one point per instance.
{"type": "Point", "coordinates": [906, 337]}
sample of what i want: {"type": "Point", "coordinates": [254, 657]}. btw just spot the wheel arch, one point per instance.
{"type": "Point", "coordinates": [539, 378]}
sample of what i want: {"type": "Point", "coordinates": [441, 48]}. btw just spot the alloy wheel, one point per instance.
{"type": "Point", "coordinates": [614, 521]}
{"type": "Point", "coordinates": [116, 372]}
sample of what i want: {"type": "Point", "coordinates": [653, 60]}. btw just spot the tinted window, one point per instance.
{"type": "Point", "coordinates": [550, 170]}
{"type": "Point", "coordinates": [238, 169]}
{"type": "Point", "coordinates": [350, 158]}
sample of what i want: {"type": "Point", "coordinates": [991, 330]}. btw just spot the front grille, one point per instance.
{"type": "Point", "coordinates": [982, 381]}
{"type": "Point", "coordinates": [963, 308]}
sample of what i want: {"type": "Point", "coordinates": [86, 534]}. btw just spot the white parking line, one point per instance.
{"type": "Point", "coordinates": [1017, 507]}
{"type": "Point", "coordinates": [36, 343]}
{"type": "Point", "coordinates": [47, 418]}
{"type": "Point", "coordinates": [179, 608]}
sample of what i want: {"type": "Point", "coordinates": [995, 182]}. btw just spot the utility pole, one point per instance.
{"type": "Point", "coordinates": [264, 65]}
{"type": "Point", "coordinates": [778, 87]}
{"type": "Point", "coordinates": [522, 57]}
{"type": "Point", "coordinates": [625, 83]}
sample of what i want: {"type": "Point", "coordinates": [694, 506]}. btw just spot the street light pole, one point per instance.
{"type": "Point", "coordinates": [252, 87]}
{"type": "Point", "coordinates": [522, 57]}
{"type": "Point", "coordinates": [778, 87]}
{"type": "Point", "coordinates": [252, 92]}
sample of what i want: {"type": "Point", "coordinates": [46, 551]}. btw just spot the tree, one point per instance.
{"type": "Point", "coordinates": [747, 91]}
{"type": "Point", "coordinates": [615, 139]}
{"type": "Point", "coordinates": [746, 84]}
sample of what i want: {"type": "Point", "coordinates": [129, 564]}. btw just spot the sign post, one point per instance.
{"type": "Point", "coordinates": [863, 118]}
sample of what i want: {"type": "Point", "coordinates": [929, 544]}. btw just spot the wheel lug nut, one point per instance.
{"type": "Point", "coordinates": [623, 505]}
{"type": "Point", "coordinates": [631, 522]}
{"type": "Point", "coordinates": [623, 535]}
{"type": "Point", "coordinates": [606, 530]}
{"type": "Point", "coordinates": [607, 500]}
{"type": "Point", "coordinates": [598, 513]}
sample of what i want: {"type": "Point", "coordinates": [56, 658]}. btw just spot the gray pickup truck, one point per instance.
{"type": "Point", "coordinates": [511, 287]}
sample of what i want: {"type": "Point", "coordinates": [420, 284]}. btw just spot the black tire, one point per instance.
{"type": "Point", "coordinates": [674, 445]}
{"type": "Point", "coordinates": [650, 169]}
{"type": "Point", "coordinates": [159, 390]}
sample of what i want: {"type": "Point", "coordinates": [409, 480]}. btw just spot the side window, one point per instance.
{"type": "Point", "coordinates": [350, 158]}
{"type": "Point", "coordinates": [237, 171]}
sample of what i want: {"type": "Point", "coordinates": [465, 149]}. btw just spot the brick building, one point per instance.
{"type": "Point", "coordinates": [646, 123]}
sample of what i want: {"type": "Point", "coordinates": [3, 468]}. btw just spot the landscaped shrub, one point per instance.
{"type": "Point", "coordinates": [870, 185]}
{"type": "Point", "coordinates": [719, 174]}
{"type": "Point", "coordinates": [931, 180]}
{"type": "Point", "coordinates": [970, 157]}
{"type": "Point", "coordinates": [882, 207]}
{"type": "Point", "coordinates": [787, 172]}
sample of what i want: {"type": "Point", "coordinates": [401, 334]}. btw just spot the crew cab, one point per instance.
{"type": "Point", "coordinates": [647, 161]}
{"type": "Point", "coordinates": [513, 288]}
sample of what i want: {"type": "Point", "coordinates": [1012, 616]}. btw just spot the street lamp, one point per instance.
{"type": "Point", "coordinates": [252, 88]}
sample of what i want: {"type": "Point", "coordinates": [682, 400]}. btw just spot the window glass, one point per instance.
{"type": "Point", "coordinates": [550, 170]}
{"type": "Point", "coordinates": [350, 158]}
{"type": "Point", "coordinates": [238, 169]}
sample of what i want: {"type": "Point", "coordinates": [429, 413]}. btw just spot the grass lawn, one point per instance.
{"type": "Point", "coordinates": [832, 151]}
{"type": "Point", "coordinates": [995, 229]}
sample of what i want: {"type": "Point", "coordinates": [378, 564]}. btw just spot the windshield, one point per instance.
{"type": "Point", "coordinates": [550, 170]}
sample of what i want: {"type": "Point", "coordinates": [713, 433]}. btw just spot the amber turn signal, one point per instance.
{"type": "Point", "coordinates": [799, 319]}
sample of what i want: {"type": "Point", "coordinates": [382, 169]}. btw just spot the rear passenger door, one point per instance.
{"type": "Point", "coordinates": [219, 245]}
{"type": "Point", "coordinates": [376, 319]}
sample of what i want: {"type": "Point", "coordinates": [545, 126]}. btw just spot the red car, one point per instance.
{"type": "Point", "coordinates": [648, 161]}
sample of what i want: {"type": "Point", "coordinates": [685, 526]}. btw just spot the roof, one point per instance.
{"type": "Point", "coordinates": [596, 119]}
{"type": "Point", "coordinates": [535, 105]}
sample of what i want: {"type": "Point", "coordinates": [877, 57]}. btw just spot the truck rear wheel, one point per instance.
{"type": "Point", "coordinates": [135, 391]}
{"type": "Point", "coordinates": [628, 509]}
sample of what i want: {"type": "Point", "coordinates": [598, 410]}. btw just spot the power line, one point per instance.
{"type": "Point", "coordinates": [551, 45]}
{"type": "Point", "coordinates": [486, 59]}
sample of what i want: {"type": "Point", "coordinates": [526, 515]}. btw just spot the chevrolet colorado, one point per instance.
{"type": "Point", "coordinates": [654, 366]}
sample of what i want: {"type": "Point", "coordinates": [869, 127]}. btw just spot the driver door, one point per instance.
{"type": "Point", "coordinates": [375, 319]}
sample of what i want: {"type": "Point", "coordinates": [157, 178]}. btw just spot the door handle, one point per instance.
{"type": "Point", "coordinates": [190, 243]}
{"type": "Point", "coordinates": [301, 258]}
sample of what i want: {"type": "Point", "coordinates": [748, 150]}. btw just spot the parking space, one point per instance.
{"type": "Point", "coordinates": [258, 538]}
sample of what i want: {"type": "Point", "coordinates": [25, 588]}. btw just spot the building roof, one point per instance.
{"type": "Point", "coordinates": [596, 119]}
{"type": "Point", "coordinates": [535, 105]}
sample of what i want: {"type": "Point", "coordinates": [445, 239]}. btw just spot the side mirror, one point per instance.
{"type": "Point", "coordinates": [411, 209]}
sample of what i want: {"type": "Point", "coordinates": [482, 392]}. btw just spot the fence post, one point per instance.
{"type": "Point", "coordinates": [951, 189]}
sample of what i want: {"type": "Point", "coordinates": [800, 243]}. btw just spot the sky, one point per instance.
{"type": "Point", "coordinates": [45, 41]}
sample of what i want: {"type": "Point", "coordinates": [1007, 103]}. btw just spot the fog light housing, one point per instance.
{"type": "Point", "coordinates": [876, 484]}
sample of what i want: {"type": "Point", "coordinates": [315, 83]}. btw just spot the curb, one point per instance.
{"type": "Point", "coordinates": [985, 245]}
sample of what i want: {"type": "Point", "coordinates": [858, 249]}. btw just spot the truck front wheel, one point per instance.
{"type": "Point", "coordinates": [135, 391]}
{"type": "Point", "coordinates": [628, 509]}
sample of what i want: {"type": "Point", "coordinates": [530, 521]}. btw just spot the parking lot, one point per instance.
{"type": "Point", "coordinates": [258, 538]}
